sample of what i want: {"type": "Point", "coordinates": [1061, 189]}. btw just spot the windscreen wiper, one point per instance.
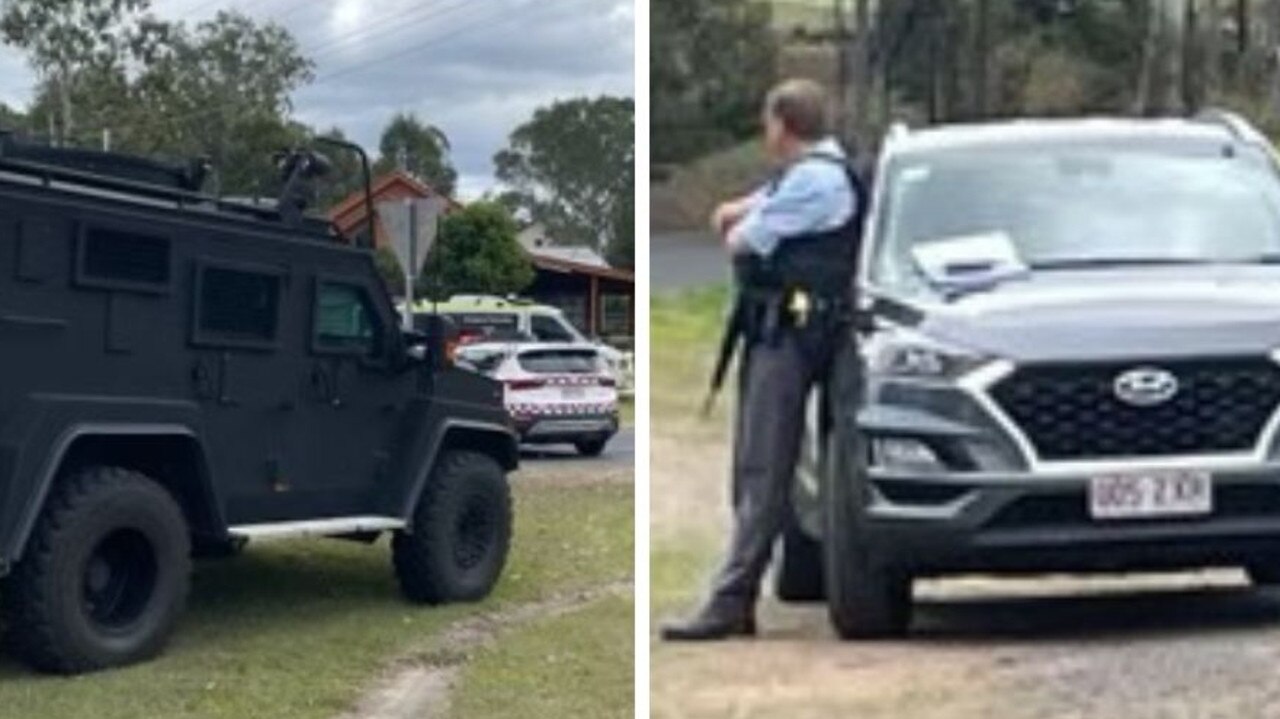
{"type": "Point", "coordinates": [1090, 262]}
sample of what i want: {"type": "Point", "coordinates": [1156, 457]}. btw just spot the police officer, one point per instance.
{"type": "Point", "coordinates": [793, 244]}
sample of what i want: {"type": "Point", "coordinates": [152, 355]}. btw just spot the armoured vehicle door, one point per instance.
{"type": "Point", "coordinates": [353, 399]}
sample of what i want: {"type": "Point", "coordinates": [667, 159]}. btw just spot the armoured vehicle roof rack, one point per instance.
{"type": "Point", "coordinates": [149, 180]}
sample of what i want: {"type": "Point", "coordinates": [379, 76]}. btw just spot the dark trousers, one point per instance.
{"type": "Point", "coordinates": [776, 377]}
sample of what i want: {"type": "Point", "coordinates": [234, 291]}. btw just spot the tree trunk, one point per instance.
{"type": "Point", "coordinates": [863, 74]}
{"type": "Point", "coordinates": [1147, 68]}
{"type": "Point", "coordinates": [64, 100]}
{"type": "Point", "coordinates": [981, 55]}
{"type": "Point", "coordinates": [842, 41]}
{"type": "Point", "coordinates": [1211, 55]}
{"type": "Point", "coordinates": [1171, 59]}
{"type": "Point", "coordinates": [1243, 20]}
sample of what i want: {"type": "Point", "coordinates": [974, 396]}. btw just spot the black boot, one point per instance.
{"type": "Point", "coordinates": [712, 622]}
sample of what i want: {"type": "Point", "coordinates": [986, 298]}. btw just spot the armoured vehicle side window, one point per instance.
{"type": "Point", "coordinates": [122, 260]}
{"type": "Point", "coordinates": [237, 306]}
{"type": "Point", "coordinates": [345, 322]}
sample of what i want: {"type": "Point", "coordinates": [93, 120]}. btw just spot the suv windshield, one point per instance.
{"type": "Point", "coordinates": [1049, 206]}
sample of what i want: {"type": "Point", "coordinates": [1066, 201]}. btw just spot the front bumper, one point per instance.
{"type": "Point", "coordinates": [1025, 522]}
{"type": "Point", "coordinates": [994, 508]}
{"type": "Point", "coordinates": [552, 429]}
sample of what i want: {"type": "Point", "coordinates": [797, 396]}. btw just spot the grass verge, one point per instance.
{"type": "Point", "coordinates": [685, 330]}
{"type": "Point", "coordinates": [298, 629]}
{"type": "Point", "coordinates": [525, 675]}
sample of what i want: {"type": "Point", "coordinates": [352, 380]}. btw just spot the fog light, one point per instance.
{"type": "Point", "coordinates": [903, 453]}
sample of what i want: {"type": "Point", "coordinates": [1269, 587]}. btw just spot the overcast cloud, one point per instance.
{"type": "Point", "coordinates": [475, 68]}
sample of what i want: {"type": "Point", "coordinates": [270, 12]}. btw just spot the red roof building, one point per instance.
{"type": "Point", "coordinates": [597, 298]}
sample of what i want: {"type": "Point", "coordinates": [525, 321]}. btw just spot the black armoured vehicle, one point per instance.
{"type": "Point", "coordinates": [1069, 360]}
{"type": "Point", "coordinates": [183, 374]}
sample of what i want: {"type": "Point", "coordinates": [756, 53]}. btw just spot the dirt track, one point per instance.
{"type": "Point", "coordinates": [1182, 645]}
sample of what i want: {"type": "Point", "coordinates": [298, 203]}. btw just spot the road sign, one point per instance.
{"type": "Point", "coordinates": [411, 226]}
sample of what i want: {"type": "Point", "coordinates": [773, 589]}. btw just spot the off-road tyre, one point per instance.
{"type": "Point", "coordinates": [592, 447]}
{"type": "Point", "coordinates": [456, 546]}
{"type": "Point", "coordinates": [867, 597]}
{"type": "Point", "coordinates": [104, 577]}
{"type": "Point", "coordinates": [799, 576]}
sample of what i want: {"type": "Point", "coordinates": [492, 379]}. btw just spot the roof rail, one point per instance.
{"type": "Point", "coordinates": [1233, 122]}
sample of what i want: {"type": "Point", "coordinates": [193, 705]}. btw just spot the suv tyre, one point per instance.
{"type": "Point", "coordinates": [460, 533]}
{"type": "Point", "coordinates": [104, 576]}
{"type": "Point", "coordinates": [867, 597]}
{"type": "Point", "coordinates": [592, 447]}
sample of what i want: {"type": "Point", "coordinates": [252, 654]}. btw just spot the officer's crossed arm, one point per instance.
{"type": "Point", "coordinates": [811, 197]}
{"type": "Point", "coordinates": [731, 212]}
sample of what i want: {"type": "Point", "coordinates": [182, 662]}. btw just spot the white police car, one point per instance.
{"type": "Point", "coordinates": [555, 392]}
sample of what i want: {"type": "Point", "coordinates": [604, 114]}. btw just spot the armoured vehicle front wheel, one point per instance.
{"type": "Point", "coordinates": [104, 576]}
{"type": "Point", "coordinates": [461, 529]}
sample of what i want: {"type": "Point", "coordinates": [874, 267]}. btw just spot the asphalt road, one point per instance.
{"type": "Point", "coordinates": [683, 260]}
{"type": "Point", "coordinates": [620, 452]}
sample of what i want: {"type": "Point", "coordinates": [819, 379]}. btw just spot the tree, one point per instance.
{"type": "Point", "coordinates": [476, 252]}
{"type": "Point", "coordinates": [423, 149]}
{"type": "Point", "coordinates": [67, 40]}
{"type": "Point", "coordinates": [622, 249]}
{"type": "Point", "coordinates": [222, 91]}
{"type": "Point", "coordinates": [570, 167]}
{"type": "Point", "coordinates": [711, 63]}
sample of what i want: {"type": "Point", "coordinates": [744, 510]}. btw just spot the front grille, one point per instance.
{"type": "Point", "coordinates": [1070, 411]}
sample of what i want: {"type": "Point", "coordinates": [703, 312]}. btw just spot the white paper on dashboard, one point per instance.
{"type": "Point", "coordinates": [968, 258]}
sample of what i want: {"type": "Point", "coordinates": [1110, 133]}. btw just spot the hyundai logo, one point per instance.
{"type": "Point", "coordinates": [1145, 386]}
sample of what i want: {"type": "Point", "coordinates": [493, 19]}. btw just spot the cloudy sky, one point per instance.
{"type": "Point", "coordinates": [475, 68]}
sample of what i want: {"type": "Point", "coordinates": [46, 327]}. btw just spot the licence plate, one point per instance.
{"type": "Point", "coordinates": [1150, 494]}
{"type": "Point", "coordinates": [573, 392]}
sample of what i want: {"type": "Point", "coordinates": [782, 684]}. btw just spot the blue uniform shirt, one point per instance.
{"type": "Point", "coordinates": [813, 196]}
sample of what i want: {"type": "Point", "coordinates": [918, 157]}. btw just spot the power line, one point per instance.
{"type": "Point", "coordinates": [342, 72]}
{"type": "Point", "coordinates": [394, 23]}
{"type": "Point", "coordinates": [506, 17]}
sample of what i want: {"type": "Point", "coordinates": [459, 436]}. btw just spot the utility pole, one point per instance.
{"type": "Point", "coordinates": [106, 139]}
{"type": "Point", "coordinates": [411, 267]}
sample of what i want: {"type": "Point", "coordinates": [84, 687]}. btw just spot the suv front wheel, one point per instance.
{"type": "Point", "coordinates": [867, 597]}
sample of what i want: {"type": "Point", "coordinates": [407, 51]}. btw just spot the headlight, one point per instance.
{"type": "Point", "coordinates": [906, 353]}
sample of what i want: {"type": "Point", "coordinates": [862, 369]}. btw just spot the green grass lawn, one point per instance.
{"type": "Point", "coordinates": [685, 332]}
{"type": "Point", "coordinates": [299, 629]}
{"type": "Point", "coordinates": [524, 676]}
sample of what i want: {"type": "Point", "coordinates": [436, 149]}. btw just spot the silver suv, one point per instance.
{"type": "Point", "coordinates": [1068, 359]}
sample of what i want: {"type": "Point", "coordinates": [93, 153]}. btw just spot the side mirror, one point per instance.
{"type": "Point", "coordinates": [432, 342]}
